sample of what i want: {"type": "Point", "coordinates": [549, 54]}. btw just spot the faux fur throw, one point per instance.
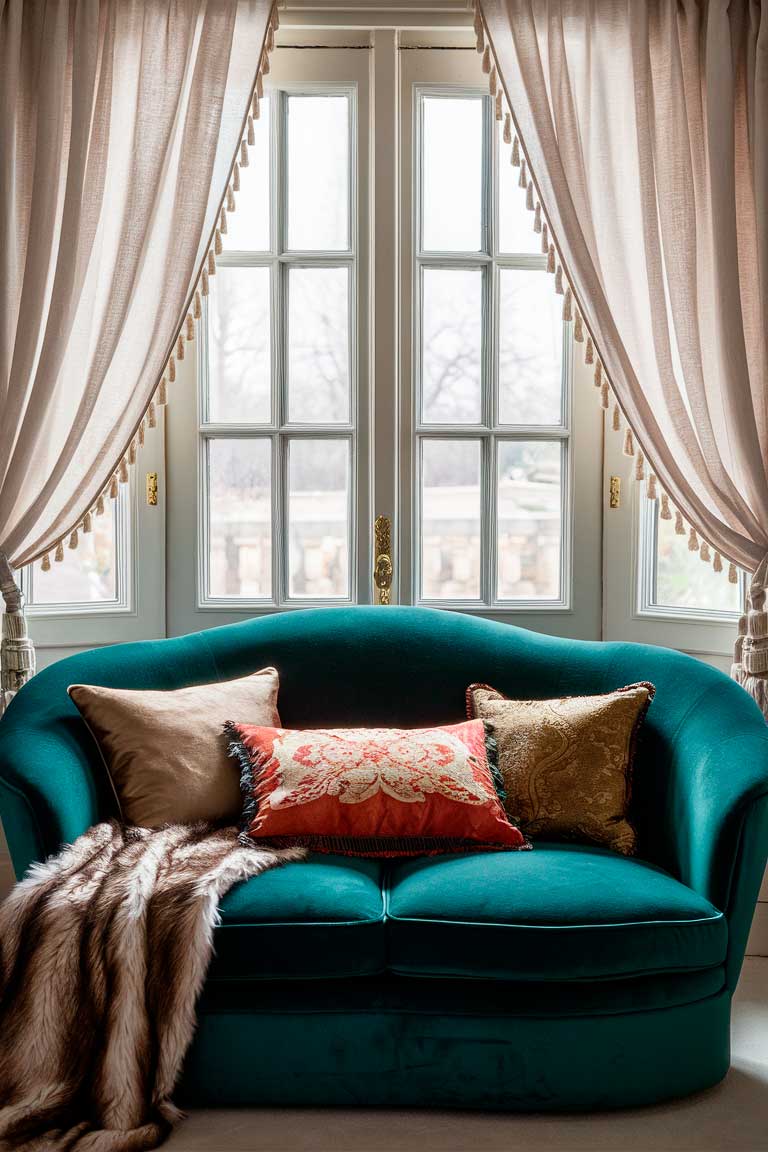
{"type": "Point", "coordinates": [103, 952]}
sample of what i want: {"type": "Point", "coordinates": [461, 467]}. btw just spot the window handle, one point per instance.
{"type": "Point", "coordinates": [614, 492]}
{"type": "Point", "coordinates": [382, 565]}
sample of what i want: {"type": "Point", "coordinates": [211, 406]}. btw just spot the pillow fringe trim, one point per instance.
{"type": "Point", "coordinates": [247, 762]}
{"type": "Point", "coordinates": [492, 756]}
{"type": "Point", "coordinates": [383, 847]}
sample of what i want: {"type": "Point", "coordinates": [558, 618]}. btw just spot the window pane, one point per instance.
{"type": "Point", "coordinates": [685, 581]}
{"type": "Point", "coordinates": [318, 345]}
{"type": "Point", "coordinates": [529, 520]}
{"type": "Point", "coordinates": [87, 575]}
{"type": "Point", "coordinates": [240, 349]}
{"type": "Point", "coordinates": [248, 226]}
{"type": "Point", "coordinates": [450, 519]}
{"type": "Point", "coordinates": [452, 341]}
{"type": "Point", "coordinates": [452, 181]}
{"type": "Point", "coordinates": [530, 348]}
{"type": "Point", "coordinates": [318, 173]}
{"type": "Point", "coordinates": [318, 517]}
{"type": "Point", "coordinates": [516, 232]}
{"type": "Point", "coordinates": [239, 518]}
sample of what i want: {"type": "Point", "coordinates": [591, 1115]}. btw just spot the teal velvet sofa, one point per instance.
{"type": "Point", "coordinates": [563, 978]}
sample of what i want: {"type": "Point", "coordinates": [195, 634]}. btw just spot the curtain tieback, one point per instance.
{"type": "Point", "coordinates": [751, 651]}
{"type": "Point", "coordinates": [17, 652]}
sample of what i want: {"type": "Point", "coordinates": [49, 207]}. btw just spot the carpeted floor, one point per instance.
{"type": "Point", "coordinates": [730, 1118]}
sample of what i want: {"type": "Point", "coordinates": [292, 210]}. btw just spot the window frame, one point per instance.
{"type": "Point", "coordinates": [384, 71]}
{"type": "Point", "coordinates": [140, 612]}
{"type": "Point", "coordinates": [125, 563]}
{"type": "Point", "coordinates": [625, 567]}
{"type": "Point", "coordinates": [489, 431]}
{"type": "Point", "coordinates": [646, 571]}
{"type": "Point", "coordinates": [280, 431]}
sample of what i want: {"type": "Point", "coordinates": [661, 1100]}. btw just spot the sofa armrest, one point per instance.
{"type": "Point", "coordinates": [718, 766]}
{"type": "Point", "coordinates": [48, 794]}
{"type": "Point", "coordinates": [714, 820]}
{"type": "Point", "coordinates": [53, 783]}
{"type": "Point", "coordinates": [745, 885]}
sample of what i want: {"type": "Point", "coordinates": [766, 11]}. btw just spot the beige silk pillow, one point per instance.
{"type": "Point", "coordinates": [166, 753]}
{"type": "Point", "coordinates": [567, 763]}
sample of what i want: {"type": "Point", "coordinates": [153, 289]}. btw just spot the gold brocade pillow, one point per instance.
{"type": "Point", "coordinates": [567, 763]}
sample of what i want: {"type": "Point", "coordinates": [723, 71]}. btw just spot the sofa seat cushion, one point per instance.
{"type": "Point", "coordinates": [561, 912]}
{"type": "Point", "coordinates": [316, 918]}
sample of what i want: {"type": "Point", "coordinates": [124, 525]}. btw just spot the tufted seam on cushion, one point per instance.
{"type": "Point", "coordinates": [386, 877]}
{"type": "Point", "coordinates": [386, 894]}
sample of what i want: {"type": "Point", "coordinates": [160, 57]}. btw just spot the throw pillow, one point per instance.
{"type": "Point", "coordinates": [567, 763]}
{"type": "Point", "coordinates": [372, 791]}
{"type": "Point", "coordinates": [164, 750]}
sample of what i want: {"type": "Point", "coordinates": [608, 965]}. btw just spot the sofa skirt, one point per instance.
{"type": "Point", "coordinates": [440, 1059]}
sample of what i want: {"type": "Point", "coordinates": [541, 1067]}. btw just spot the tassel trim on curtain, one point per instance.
{"type": "Point", "coordinates": [751, 655]}
{"type": "Point", "coordinates": [193, 314]}
{"type": "Point", "coordinates": [17, 653]}
{"type": "Point", "coordinates": [572, 311]}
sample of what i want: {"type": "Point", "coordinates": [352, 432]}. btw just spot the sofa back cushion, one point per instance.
{"type": "Point", "coordinates": [389, 667]}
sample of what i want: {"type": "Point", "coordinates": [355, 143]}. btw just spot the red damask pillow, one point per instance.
{"type": "Point", "coordinates": [372, 791]}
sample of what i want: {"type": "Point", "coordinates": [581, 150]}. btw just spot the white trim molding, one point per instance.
{"type": "Point", "coordinates": [376, 14]}
{"type": "Point", "coordinates": [404, 7]}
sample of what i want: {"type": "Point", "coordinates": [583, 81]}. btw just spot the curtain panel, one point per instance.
{"type": "Point", "coordinates": [645, 130]}
{"type": "Point", "coordinates": [119, 123]}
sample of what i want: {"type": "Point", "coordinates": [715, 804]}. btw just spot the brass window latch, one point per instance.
{"type": "Point", "coordinates": [614, 492]}
{"type": "Point", "coordinates": [152, 489]}
{"type": "Point", "coordinates": [382, 564]}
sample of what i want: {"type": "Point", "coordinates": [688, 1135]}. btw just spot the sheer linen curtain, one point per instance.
{"type": "Point", "coordinates": [119, 124]}
{"type": "Point", "coordinates": [645, 126]}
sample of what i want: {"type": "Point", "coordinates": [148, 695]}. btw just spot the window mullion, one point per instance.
{"type": "Point", "coordinates": [488, 541]}
{"type": "Point", "coordinates": [278, 444]}
{"type": "Point", "coordinates": [489, 533]}
{"type": "Point", "coordinates": [492, 351]}
{"type": "Point", "coordinates": [279, 181]}
{"type": "Point", "coordinates": [280, 314]}
{"type": "Point", "coordinates": [280, 512]}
